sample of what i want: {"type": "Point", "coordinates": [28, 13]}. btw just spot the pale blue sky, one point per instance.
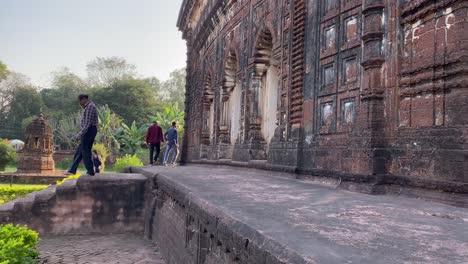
{"type": "Point", "coordinates": [41, 36]}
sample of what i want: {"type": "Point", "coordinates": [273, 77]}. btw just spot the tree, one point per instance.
{"type": "Point", "coordinates": [61, 100]}
{"type": "Point", "coordinates": [3, 70]}
{"type": "Point", "coordinates": [7, 88]}
{"type": "Point", "coordinates": [7, 154]}
{"type": "Point", "coordinates": [26, 103]}
{"type": "Point", "coordinates": [155, 83]}
{"type": "Point", "coordinates": [131, 99]}
{"type": "Point", "coordinates": [104, 71]}
{"type": "Point", "coordinates": [65, 129]}
{"type": "Point", "coordinates": [18, 100]}
{"type": "Point", "coordinates": [173, 90]}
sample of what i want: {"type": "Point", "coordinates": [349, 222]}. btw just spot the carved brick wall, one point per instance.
{"type": "Point", "coordinates": [367, 87]}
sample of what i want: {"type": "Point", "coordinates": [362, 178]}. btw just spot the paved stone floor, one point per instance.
{"type": "Point", "coordinates": [98, 249]}
{"type": "Point", "coordinates": [326, 225]}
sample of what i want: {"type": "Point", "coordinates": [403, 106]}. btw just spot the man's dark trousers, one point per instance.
{"type": "Point", "coordinates": [158, 151]}
{"type": "Point", "coordinates": [84, 152]}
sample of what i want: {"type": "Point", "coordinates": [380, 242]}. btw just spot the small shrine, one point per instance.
{"type": "Point", "coordinates": [37, 157]}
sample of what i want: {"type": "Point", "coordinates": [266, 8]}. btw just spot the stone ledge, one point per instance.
{"type": "Point", "coordinates": [238, 240]}
{"type": "Point", "coordinates": [103, 203]}
{"type": "Point", "coordinates": [231, 215]}
{"type": "Point", "coordinates": [452, 193]}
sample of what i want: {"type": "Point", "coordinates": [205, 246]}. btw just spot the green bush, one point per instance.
{"type": "Point", "coordinates": [8, 193]}
{"type": "Point", "coordinates": [143, 155]}
{"type": "Point", "coordinates": [64, 164]}
{"type": "Point", "coordinates": [7, 154]}
{"type": "Point", "coordinates": [18, 244]}
{"type": "Point", "coordinates": [127, 161]}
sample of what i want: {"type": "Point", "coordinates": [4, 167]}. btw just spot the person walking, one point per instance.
{"type": "Point", "coordinates": [86, 137]}
{"type": "Point", "coordinates": [171, 137]}
{"type": "Point", "coordinates": [154, 137]}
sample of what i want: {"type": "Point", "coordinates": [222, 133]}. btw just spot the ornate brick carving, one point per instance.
{"type": "Point", "coordinates": [366, 87]}
{"type": "Point", "coordinates": [37, 157]}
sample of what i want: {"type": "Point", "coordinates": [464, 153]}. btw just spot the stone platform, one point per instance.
{"type": "Point", "coordinates": [208, 214]}
{"type": "Point", "coordinates": [98, 249]}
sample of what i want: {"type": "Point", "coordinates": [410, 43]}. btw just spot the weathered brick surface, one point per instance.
{"type": "Point", "coordinates": [367, 87]}
{"type": "Point", "coordinates": [98, 249]}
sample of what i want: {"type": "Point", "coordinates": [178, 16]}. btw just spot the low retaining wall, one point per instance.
{"type": "Point", "coordinates": [189, 230]}
{"type": "Point", "coordinates": [28, 179]}
{"type": "Point", "coordinates": [102, 204]}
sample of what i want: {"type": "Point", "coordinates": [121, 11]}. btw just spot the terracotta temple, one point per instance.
{"type": "Point", "coordinates": [37, 155]}
{"type": "Point", "coordinates": [363, 91]}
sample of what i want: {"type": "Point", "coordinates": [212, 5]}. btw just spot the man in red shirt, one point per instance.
{"type": "Point", "coordinates": [154, 137]}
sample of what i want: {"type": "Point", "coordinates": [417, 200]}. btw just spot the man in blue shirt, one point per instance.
{"type": "Point", "coordinates": [171, 137]}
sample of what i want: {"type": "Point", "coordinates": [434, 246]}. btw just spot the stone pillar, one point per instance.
{"type": "Point", "coordinates": [205, 138]}
{"type": "Point", "coordinates": [224, 133]}
{"type": "Point", "coordinates": [255, 135]}
{"type": "Point", "coordinates": [373, 85]}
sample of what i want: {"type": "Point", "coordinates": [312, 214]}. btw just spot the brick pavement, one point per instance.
{"type": "Point", "coordinates": [98, 249]}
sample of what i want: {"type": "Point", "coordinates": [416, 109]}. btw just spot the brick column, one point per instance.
{"type": "Point", "coordinates": [372, 87]}
{"type": "Point", "coordinates": [255, 135]}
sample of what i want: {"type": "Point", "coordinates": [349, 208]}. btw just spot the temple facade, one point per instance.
{"type": "Point", "coordinates": [37, 155]}
{"type": "Point", "coordinates": [369, 91]}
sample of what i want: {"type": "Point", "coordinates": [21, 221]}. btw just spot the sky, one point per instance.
{"type": "Point", "coordinates": [42, 36]}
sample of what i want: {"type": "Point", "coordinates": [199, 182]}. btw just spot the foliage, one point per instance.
{"type": "Point", "coordinates": [131, 99]}
{"type": "Point", "coordinates": [7, 154]}
{"type": "Point", "coordinates": [26, 102]}
{"type": "Point", "coordinates": [71, 177]}
{"type": "Point", "coordinates": [25, 123]}
{"type": "Point", "coordinates": [127, 161]}
{"type": "Point", "coordinates": [3, 70]}
{"type": "Point", "coordinates": [132, 137]}
{"type": "Point", "coordinates": [170, 114]}
{"type": "Point", "coordinates": [113, 83]}
{"type": "Point", "coordinates": [18, 244]}
{"type": "Point", "coordinates": [8, 193]}
{"type": "Point", "coordinates": [143, 155]}
{"type": "Point", "coordinates": [173, 90]}
{"type": "Point", "coordinates": [103, 72]}
{"type": "Point", "coordinates": [65, 129]}
{"type": "Point", "coordinates": [61, 101]}
{"type": "Point", "coordinates": [103, 152]}
{"type": "Point", "coordinates": [63, 164]}
{"type": "Point", "coordinates": [109, 122]}
{"type": "Point", "coordinates": [10, 128]}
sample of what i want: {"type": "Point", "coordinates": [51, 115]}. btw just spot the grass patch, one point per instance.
{"type": "Point", "coordinates": [9, 169]}
{"type": "Point", "coordinates": [10, 193]}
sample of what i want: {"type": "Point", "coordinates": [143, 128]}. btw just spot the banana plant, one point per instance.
{"type": "Point", "coordinates": [170, 114]}
{"type": "Point", "coordinates": [109, 123]}
{"type": "Point", "coordinates": [132, 137]}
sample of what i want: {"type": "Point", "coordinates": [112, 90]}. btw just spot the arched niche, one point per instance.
{"type": "Point", "coordinates": [268, 73]}
{"type": "Point", "coordinates": [231, 101]}
{"type": "Point", "coordinates": [208, 110]}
